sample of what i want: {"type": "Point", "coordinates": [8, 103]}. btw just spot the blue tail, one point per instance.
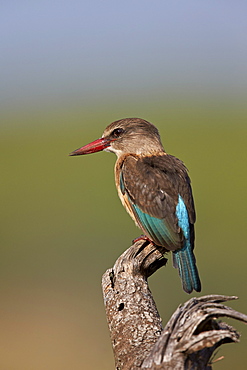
{"type": "Point", "coordinates": [184, 260]}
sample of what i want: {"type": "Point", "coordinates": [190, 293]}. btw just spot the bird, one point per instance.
{"type": "Point", "coordinates": [155, 189]}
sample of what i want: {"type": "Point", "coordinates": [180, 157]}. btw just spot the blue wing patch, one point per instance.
{"type": "Point", "coordinates": [155, 227]}
{"type": "Point", "coordinates": [184, 258]}
{"type": "Point", "coordinates": [183, 217]}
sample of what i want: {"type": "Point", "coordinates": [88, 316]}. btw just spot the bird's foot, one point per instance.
{"type": "Point", "coordinates": [143, 237]}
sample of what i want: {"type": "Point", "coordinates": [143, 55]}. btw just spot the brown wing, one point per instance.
{"type": "Point", "coordinates": [153, 185]}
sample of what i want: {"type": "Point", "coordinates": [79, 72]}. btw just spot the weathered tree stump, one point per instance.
{"type": "Point", "coordinates": [138, 339]}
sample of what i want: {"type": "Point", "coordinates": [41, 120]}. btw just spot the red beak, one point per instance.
{"type": "Point", "coordinates": [95, 146]}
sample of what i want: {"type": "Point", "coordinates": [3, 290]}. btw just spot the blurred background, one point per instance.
{"type": "Point", "coordinates": [68, 69]}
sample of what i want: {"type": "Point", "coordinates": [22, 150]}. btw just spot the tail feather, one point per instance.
{"type": "Point", "coordinates": [184, 260]}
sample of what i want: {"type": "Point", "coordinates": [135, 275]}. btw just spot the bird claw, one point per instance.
{"type": "Point", "coordinates": [143, 237]}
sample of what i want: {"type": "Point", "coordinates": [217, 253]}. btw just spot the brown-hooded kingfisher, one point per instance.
{"type": "Point", "coordinates": [154, 187]}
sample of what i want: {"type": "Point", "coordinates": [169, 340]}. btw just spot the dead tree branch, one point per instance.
{"type": "Point", "coordinates": [138, 339]}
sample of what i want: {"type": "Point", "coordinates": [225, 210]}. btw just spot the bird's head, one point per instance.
{"type": "Point", "coordinates": [129, 135]}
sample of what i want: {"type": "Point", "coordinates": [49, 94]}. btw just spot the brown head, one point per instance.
{"type": "Point", "coordinates": [128, 135]}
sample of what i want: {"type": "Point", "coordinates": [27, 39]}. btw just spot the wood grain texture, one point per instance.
{"type": "Point", "coordinates": [188, 340]}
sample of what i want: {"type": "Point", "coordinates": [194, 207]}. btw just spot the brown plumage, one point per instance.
{"type": "Point", "coordinates": [155, 189]}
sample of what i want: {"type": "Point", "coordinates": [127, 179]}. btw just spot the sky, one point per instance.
{"type": "Point", "coordinates": [67, 69]}
{"type": "Point", "coordinates": [56, 52]}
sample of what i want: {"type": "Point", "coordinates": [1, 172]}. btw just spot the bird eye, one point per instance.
{"type": "Point", "coordinates": [117, 132]}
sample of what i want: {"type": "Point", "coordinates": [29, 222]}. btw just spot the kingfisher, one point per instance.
{"type": "Point", "coordinates": [155, 189]}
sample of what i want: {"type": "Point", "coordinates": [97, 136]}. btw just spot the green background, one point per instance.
{"type": "Point", "coordinates": [63, 226]}
{"type": "Point", "coordinates": [68, 69]}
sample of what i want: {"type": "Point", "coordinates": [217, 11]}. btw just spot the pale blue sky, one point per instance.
{"type": "Point", "coordinates": [65, 50]}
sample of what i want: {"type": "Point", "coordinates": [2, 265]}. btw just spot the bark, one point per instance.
{"type": "Point", "coordinates": [138, 339]}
